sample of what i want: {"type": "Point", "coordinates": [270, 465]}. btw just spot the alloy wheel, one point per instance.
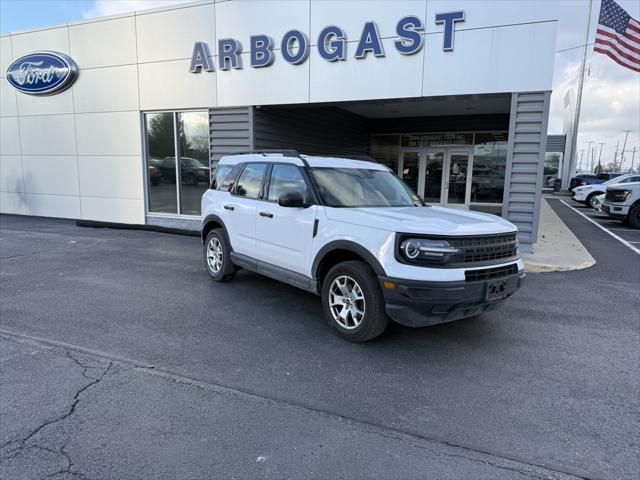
{"type": "Point", "coordinates": [346, 302]}
{"type": "Point", "coordinates": [214, 255]}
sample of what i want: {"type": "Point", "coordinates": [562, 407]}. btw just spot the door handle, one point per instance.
{"type": "Point", "coordinates": [229, 207]}
{"type": "Point", "coordinates": [266, 214]}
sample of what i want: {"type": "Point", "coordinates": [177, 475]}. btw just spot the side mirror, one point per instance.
{"type": "Point", "coordinates": [292, 199]}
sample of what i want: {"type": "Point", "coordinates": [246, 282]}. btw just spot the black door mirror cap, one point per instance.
{"type": "Point", "coordinates": [292, 199]}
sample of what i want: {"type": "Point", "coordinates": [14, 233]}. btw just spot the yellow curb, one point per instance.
{"type": "Point", "coordinates": [535, 267]}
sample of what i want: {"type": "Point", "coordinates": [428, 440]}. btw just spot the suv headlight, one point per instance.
{"type": "Point", "coordinates": [618, 195]}
{"type": "Point", "coordinates": [424, 250]}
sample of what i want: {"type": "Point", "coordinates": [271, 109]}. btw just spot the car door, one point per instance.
{"type": "Point", "coordinates": [283, 234]}
{"type": "Point", "coordinates": [241, 207]}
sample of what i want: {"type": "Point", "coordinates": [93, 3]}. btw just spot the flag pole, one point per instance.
{"type": "Point", "coordinates": [576, 121]}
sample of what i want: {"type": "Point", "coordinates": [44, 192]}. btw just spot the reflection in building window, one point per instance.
{"type": "Point", "coordinates": [193, 131]}
{"type": "Point", "coordinates": [552, 163]}
{"type": "Point", "coordinates": [489, 163]}
{"type": "Point", "coordinates": [161, 163]}
{"type": "Point", "coordinates": [163, 172]}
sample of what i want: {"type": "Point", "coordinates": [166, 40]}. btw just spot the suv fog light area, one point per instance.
{"type": "Point", "coordinates": [423, 250]}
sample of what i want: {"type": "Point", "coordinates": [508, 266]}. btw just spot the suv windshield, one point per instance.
{"type": "Point", "coordinates": [359, 187]}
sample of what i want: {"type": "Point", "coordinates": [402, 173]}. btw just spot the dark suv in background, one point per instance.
{"type": "Point", "coordinates": [583, 179]}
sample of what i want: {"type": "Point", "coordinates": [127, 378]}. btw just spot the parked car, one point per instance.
{"type": "Point", "coordinates": [352, 232]}
{"type": "Point", "coordinates": [623, 202]}
{"type": "Point", "coordinates": [192, 171]}
{"type": "Point", "coordinates": [590, 179]}
{"type": "Point", "coordinates": [587, 193]}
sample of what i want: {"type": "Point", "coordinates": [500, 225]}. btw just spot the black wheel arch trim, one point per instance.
{"type": "Point", "coordinates": [350, 246]}
{"type": "Point", "coordinates": [215, 218]}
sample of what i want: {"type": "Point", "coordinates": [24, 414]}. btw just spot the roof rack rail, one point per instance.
{"type": "Point", "coordinates": [284, 153]}
{"type": "Point", "coordinates": [366, 158]}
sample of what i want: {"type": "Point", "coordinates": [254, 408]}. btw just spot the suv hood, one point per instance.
{"type": "Point", "coordinates": [425, 220]}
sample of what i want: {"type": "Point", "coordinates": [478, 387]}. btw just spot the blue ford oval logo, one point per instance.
{"type": "Point", "coordinates": [42, 73]}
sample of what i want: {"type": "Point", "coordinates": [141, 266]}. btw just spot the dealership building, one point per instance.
{"type": "Point", "coordinates": [122, 118]}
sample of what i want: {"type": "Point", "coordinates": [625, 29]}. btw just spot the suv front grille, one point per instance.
{"type": "Point", "coordinates": [490, 273]}
{"type": "Point", "coordinates": [616, 195]}
{"type": "Point", "coordinates": [485, 248]}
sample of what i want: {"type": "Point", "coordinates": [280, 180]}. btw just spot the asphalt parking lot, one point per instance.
{"type": "Point", "coordinates": [617, 228]}
{"type": "Point", "coordinates": [119, 358]}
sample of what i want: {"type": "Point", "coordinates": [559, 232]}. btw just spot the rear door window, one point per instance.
{"type": "Point", "coordinates": [221, 174]}
{"type": "Point", "coordinates": [250, 181]}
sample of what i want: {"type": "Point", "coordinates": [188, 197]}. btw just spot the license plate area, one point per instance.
{"type": "Point", "coordinates": [496, 290]}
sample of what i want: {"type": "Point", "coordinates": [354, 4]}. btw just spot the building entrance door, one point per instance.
{"type": "Point", "coordinates": [439, 175]}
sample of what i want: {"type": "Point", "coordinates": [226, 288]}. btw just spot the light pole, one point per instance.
{"type": "Point", "coordinates": [600, 156]}
{"type": "Point", "coordinates": [581, 154]}
{"type": "Point", "coordinates": [624, 145]}
{"type": "Point", "coordinates": [589, 154]}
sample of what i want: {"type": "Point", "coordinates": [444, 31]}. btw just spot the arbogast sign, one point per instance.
{"type": "Point", "coordinates": [332, 44]}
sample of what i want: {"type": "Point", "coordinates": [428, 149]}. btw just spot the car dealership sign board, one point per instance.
{"type": "Point", "coordinates": [332, 44]}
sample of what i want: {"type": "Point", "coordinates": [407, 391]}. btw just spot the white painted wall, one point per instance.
{"type": "Point", "coordinates": [78, 154]}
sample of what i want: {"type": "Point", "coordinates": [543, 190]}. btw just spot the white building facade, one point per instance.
{"type": "Point", "coordinates": [452, 95]}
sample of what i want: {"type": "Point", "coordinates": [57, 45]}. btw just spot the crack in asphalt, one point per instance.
{"type": "Point", "coordinates": [17, 447]}
{"type": "Point", "coordinates": [359, 424]}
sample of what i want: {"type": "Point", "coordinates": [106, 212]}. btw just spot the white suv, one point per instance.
{"type": "Point", "coordinates": [623, 202]}
{"type": "Point", "coordinates": [352, 232]}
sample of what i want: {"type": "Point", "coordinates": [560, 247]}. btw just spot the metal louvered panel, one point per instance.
{"type": "Point", "coordinates": [230, 131]}
{"type": "Point", "coordinates": [556, 143]}
{"type": "Point", "coordinates": [525, 161]}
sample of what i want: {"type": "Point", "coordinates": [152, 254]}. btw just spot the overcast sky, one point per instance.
{"type": "Point", "coordinates": [611, 99]}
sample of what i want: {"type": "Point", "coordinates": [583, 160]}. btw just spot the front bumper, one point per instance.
{"type": "Point", "coordinates": [418, 304]}
{"type": "Point", "coordinates": [616, 211]}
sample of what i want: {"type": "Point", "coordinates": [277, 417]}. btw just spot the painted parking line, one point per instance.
{"type": "Point", "coordinates": [620, 239]}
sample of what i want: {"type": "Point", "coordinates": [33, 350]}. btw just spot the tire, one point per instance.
{"type": "Point", "coordinates": [591, 198]}
{"type": "Point", "coordinates": [217, 258]}
{"type": "Point", "coordinates": [358, 280]}
{"type": "Point", "coordinates": [634, 216]}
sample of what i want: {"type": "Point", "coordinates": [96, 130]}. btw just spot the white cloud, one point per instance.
{"type": "Point", "coordinates": [112, 7]}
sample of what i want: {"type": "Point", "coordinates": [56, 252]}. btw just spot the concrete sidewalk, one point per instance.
{"type": "Point", "coordinates": [557, 249]}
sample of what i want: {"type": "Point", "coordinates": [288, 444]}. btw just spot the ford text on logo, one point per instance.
{"type": "Point", "coordinates": [42, 73]}
{"type": "Point", "coordinates": [332, 44]}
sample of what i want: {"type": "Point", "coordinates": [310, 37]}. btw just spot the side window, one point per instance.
{"type": "Point", "coordinates": [285, 178]}
{"type": "Point", "coordinates": [250, 180]}
{"type": "Point", "coordinates": [227, 183]}
{"type": "Point", "coordinates": [221, 173]}
{"type": "Point", "coordinates": [630, 180]}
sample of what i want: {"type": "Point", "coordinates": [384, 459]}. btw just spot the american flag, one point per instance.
{"type": "Point", "coordinates": [618, 35]}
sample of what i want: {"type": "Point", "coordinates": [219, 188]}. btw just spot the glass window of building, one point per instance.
{"type": "Point", "coordinates": [175, 187]}
{"type": "Point", "coordinates": [193, 135]}
{"type": "Point", "coordinates": [552, 165]}
{"type": "Point", "coordinates": [161, 163]}
{"type": "Point", "coordinates": [489, 164]}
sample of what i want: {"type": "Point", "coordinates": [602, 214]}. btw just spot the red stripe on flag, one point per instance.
{"type": "Point", "coordinates": [632, 59]}
{"type": "Point", "coordinates": [634, 38]}
{"type": "Point", "coordinates": [630, 26]}
{"type": "Point", "coordinates": [615, 59]}
{"type": "Point", "coordinates": [619, 39]}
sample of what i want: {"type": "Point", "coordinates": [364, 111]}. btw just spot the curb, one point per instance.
{"type": "Point", "coordinates": [536, 267]}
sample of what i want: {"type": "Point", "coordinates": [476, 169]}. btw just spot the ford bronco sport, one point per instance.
{"type": "Point", "coordinates": [352, 232]}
